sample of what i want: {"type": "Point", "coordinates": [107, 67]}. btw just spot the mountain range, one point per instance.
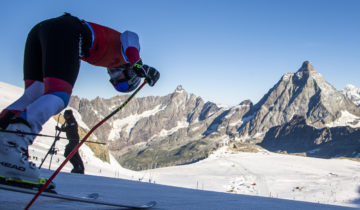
{"type": "Point", "coordinates": [251, 173]}
{"type": "Point", "coordinates": [181, 128]}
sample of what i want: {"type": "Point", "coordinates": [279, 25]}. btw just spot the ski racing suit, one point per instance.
{"type": "Point", "coordinates": [53, 51]}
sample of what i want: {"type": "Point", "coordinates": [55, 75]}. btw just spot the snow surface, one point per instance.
{"type": "Point", "coordinates": [353, 93]}
{"type": "Point", "coordinates": [130, 121]}
{"type": "Point", "coordinates": [346, 118]}
{"type": "Point", "coordinates": [225, 180]}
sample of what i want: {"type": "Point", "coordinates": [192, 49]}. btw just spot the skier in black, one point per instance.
{"type": "Point", "coordinates": [71, 128]}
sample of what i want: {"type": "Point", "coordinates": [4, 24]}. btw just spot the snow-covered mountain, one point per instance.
{"type": "Point", "coordinates": [171, 124]}
{"type": "Point", "coordinates": [181, 128]}
{"type": "Point", "coordinates": [353, 93]}
{"type": "Point", "coordinates": [304, 93]}
{"type": "Point", "coordinates": [259, 180]}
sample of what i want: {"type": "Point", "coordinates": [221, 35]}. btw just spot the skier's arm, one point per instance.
{"type": "Point", "coordinates": [130, 44]}
{"type": "Point", "coordinates": [62, 128]}
{"type": "Point", "coordinates": [134, 67]}
{"type": "Point", "coordinates": [131, 47]}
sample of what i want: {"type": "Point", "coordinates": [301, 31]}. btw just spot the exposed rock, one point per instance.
{"type": "Point", "coordinates": [297, 136]}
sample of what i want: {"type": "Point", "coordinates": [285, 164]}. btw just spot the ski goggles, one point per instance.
{"type": "Point", "coordinates": [123, 79]}
{"type": "Point", "coordinates": [123, 85]}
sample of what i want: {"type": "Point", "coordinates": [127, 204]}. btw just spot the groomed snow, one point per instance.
{"type": "Point", "coordinates": [331, 181]}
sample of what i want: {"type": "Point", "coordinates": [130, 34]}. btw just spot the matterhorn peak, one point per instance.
{"type": "Point", "coordinates": [306, 67]}
{"type": "Point", "coordinates": [179, 88]}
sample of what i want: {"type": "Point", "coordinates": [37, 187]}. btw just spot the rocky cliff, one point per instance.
{"type": "Point", "coordinates": [296, 136]}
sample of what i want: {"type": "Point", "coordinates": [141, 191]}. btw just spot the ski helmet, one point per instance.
{"type": "Point", "coordinates": [68, 114]}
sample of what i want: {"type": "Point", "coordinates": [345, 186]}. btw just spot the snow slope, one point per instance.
{"type": "Point", "coordinates": [252, 180]}
{"type": "Point", "coordinates": [38, 150]}
{"type": "Point", "coordinates": [134, 192]}
{"type": "Point", "coordinates": [331, 181]}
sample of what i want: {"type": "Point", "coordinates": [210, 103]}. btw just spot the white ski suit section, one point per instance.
{"type": "Point", "coordinates": [42, 109]}
{"type": "Point", "coordinates": [30, 95]}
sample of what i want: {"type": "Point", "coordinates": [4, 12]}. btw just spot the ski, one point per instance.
{"type": "Point", "coordinates": [91, 198]}
{"type": "Point", "coordinates": [26, 184]}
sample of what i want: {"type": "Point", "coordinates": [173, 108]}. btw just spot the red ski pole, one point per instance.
{"type": "Point", "coordinates": [79, 145]}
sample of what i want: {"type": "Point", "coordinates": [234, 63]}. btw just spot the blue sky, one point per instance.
{"type": "Point", "coordinates": [224, 51]}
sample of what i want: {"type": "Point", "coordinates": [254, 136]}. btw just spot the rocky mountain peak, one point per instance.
{"type": "Point", "coordinates": [307, 67]}
{"type": "Point", "coordinates": [179, 94]}
{"type": "Point", "coordinates": [247, 102]}
{"type": "Point", "coordinates": [179, 88]}
{"type": "Point", "coordinates": [304, 93]}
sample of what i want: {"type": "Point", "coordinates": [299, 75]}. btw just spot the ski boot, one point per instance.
{"type": "Point", "coordinates": [15, 168]}
{"type": "Point", "coordinates": [78, 170]}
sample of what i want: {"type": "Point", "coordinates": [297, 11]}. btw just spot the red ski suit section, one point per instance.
{"type": "Point", "coordinates": [107, 49]}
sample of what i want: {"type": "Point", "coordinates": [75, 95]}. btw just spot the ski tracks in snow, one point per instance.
{"type": "Point", "coordinates": [246, 181]}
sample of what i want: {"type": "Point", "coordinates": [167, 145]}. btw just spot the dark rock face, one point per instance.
{"type": "Point", "coordinates": [296, 136]}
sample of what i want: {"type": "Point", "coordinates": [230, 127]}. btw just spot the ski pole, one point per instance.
{"type": "Point", "coordinates": [52, 146]}
{"type": "Point", "coordinates": [44, 135]}
{"type": "Point", "coordinates": [79, 145]}
{"type": "Point", "coordinates": [52, 149]}
{"type": "Point", "coordinates": [28, 133]}
{"type": "Point", "coordinates": [52, 154]}
{"type": "Point", "coordinates": [57, 135]}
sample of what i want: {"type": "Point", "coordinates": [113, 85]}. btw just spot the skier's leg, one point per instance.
{"type": "Point", "coordinates": [67, 151]}
{"type": "Point", "coordinates": [81, 163]}
{"type": "Point", "coordinates": [77, 163]}
{"type": "Point", "coordinates": [74, 162]}
{"type": "Point", "coordinates": [55, 98]}
{"type": "Point", "coordinates": [60, 41]}
{"type": "Point", "coordinates": [33, 90]}
{"type": "Point", "coordinates": [33, 77]}
{"type": "Point", "coordinates": [55, 42]}
{"type": "Point", "coordinates": [13, 147]}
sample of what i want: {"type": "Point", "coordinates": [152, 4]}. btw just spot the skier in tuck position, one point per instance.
{"type": "Point", "coordinates": [71, 128]}
{"type": "Point", "coordinates": [52, 56]}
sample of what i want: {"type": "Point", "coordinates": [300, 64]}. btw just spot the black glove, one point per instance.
{"type": "Point", "coordinates": [150, 73]}
{"type": "Point", "coordinates": [58, 128]}
{"type": "Point", "coordinates": [138, 69]}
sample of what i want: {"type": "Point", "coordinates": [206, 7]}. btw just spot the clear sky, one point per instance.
{"type": "Point", "coordinates": [225, 51]}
